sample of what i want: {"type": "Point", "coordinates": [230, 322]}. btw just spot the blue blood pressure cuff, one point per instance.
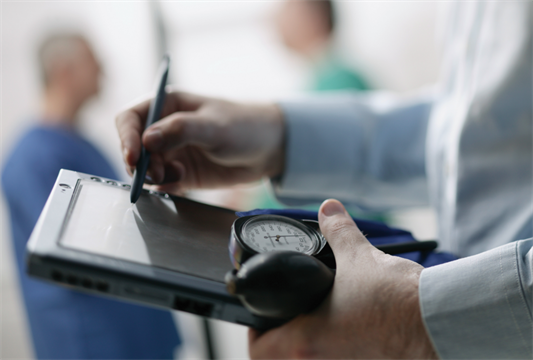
{"type": "Point", "coordinates": [377, 233]}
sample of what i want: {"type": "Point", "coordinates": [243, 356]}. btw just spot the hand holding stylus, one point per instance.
{"type": "Point", "coordinates": [204, 143]}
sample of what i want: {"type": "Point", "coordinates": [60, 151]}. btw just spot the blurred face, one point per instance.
{"type": "Point", "coordinates": [76, 73]}
{"type": "Point", "coordinates": [85, 72]}
{"type": "Point", "coordinates": [301, 25]}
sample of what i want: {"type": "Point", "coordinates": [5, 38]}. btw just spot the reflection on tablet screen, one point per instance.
{"type": "Point", "coordinates": [171, 233]}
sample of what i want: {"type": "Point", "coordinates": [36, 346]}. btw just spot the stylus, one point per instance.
{"type": "Point", "coordinates": [154, 114]}
{"type": "Point", "coordinates": [410, 246]}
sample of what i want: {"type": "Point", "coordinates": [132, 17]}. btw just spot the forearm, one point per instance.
{"type": "Point", "coordinates": [364, 149]}
{"type": "Point", "coordinates": [480, 306]}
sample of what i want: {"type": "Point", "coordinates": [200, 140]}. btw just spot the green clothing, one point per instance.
{"type": "Point", "coordinates": [332, 74]}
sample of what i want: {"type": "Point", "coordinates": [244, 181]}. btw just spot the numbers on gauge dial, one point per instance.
{"type": "Point", "coordinates": [263, 236]}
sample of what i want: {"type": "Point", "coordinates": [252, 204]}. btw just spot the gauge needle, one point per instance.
{"type": "Point", "coordinates": [278, 236]}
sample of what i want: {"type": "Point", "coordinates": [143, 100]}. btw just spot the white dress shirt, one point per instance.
{"type": "Point", "coordinates": [466, 148]}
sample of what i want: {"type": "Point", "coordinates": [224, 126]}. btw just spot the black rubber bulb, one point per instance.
{"type": "Point", "coordinates": [280, 284]}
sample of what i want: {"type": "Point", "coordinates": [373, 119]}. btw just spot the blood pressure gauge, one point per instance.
{"type": "Point", "coordinates": [251, 235]}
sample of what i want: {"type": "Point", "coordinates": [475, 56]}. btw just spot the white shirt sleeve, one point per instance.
{"type": "Point", "coordinates": [368, 150]}
{"type": "Point", "coordinates": [479, 307]}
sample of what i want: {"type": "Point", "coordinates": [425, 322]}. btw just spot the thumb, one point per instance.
{"type": "Point", "coordinates": [341, 232]}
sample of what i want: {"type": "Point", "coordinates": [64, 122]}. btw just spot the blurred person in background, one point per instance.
{"type": "Point", "coordinates": [308, 29]}
{"type": "Point", "coordinates": [66, 324]}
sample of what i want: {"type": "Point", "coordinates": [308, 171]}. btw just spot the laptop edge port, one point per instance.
{"type": "Point", "coordinates": [57, 275]}
{"type": "Point", "coordinates": [102, 286]}
{"type": "Point", "coordinates": [72, 279]}
{"type": "Point", "coordinates": [192, 306]}
{"type": "Point", "coordinates": [87, 283]}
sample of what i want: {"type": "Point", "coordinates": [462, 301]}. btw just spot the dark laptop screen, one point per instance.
{"type": "Point", "coordinates": [171, 233]}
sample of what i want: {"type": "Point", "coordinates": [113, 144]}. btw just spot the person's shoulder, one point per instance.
{"type": "Point", "coordinates": [44, 133]}
{"type": "Point", "coordinates": [14, 163]}
{"type": "Point", "coordinates": [54, 141]}
{"type": "Point", "coordinates": [35, 144]}
{"type": "Point", "coordinates": [34, 134]}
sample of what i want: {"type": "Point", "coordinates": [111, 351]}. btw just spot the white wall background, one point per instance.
{"type": "Point", "coordinates": [220, 48]}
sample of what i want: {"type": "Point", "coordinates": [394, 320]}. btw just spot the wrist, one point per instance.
{"type": "Point", "coordinates": [417, 342]}
{"type": "Point", "coordinates": [275, 157]}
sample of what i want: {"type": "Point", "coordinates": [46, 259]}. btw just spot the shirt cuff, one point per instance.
{"type": "Point", "coordinates": [323, 151]}
{"type": "Point", "coordinates": [366, 149]}
{"type": "Point", "coordinates": [477, 307]}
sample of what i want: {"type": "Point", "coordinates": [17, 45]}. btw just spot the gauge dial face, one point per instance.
{"type": "Point", "coordinates": [271, 233]}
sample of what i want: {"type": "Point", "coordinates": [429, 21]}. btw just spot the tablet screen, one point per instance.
{"type": "Point", "coordinates": [171, 233]}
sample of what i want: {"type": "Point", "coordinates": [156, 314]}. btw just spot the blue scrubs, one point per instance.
{"type": "Point", "coordinates": [66, 324]}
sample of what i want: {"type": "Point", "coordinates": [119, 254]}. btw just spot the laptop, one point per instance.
{"type": "Point", "coordinates": [165, 251]}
